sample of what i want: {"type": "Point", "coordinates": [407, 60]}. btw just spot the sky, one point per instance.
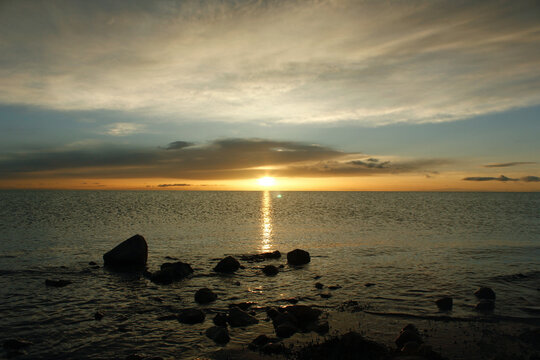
{"type": "Point", "coordinates": [320, 95]}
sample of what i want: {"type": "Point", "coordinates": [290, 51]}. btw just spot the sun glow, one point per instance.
{"type": "Point", "coordinates": [266, 181]}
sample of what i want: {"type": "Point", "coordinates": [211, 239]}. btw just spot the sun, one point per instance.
{"type": "Point", "coordinates": [266, 181]}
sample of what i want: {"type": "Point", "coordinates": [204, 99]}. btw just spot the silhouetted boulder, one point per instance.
{"type": "Point", "coordinates": [220, 319]}
{"type": "Point", "coordinates": [219, 334]}
{"type": "Point", "coordinates": [239, 318]}
{"type": "Point", "coordinates": [485, 305]}
{"type": "Point", "coordinates": [171, 272]}
{"type": "Point", "coordinates": [445, 303]}
{"type": "Point", "coordinates": [485, 293]}
{"type": "Point", "coordinates": [131, 254]}
{"type": "Point", "coordinates": [298, 257]}
{"type": "Point", "coordinates": [205, 296]}
{"type": "Point", "coordinates": [270, 270]}
{"type": "Point", "coordinates": [57, 283]}
{"type": "Point", "coordinates": [227, 265]}
{"type": "Point", "coordinates": [191, 316]}
{"type": "Point", "coordinates": [303, 314]}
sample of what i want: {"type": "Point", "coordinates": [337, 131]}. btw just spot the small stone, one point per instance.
{"type": "Point", "coordinates": [219, 334]}
{"type": "Point", "coordinates": [92, 263]}
{"type": "Point", "coordinates": [325, 295]}
{"type": "Point", "coordinates": [369, 284]}
{"type": "Point", "coordinates": [98, 315]}
{"type": "Point", "coordinates": [227, 265]}
{"type": "Point", "coordinates": [444, 304]}
{"type": "Point", "coordinates": [239, 318]}
{"type": "Point", "coordinates": [485, 305]}
{"type": "Point", "coordinates": [259, 341]}
{"type": "Point", "coordinates": [191, 316]}
{"type": "Point", "coordinates": [57, 283]}
{"type": "Point", "coordinates": [319, 285]}
{"type": "Point", "coordinates": [334, 287]}
{"type": "Point", "coordinates": [220, 319]}
{"type": "Point", "coordinates": [298, 257]}
{"type": "Point", "coordinates": [270, 270]}
{"type": "Point", "coordinates": [205, 296]}
{"type": "Point", "coordinates": [485, 293]}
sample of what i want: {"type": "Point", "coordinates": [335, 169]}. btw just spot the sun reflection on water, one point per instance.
{"type": "Point", "coordinates": [266, 223]}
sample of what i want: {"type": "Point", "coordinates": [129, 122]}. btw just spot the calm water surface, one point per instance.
{"type": "Point", "coordinates": [415, 247]}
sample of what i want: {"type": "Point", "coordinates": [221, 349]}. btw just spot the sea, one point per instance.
{"type": "Point", "coordinates": [410, 248]}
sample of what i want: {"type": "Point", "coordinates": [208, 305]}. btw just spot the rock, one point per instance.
{"type": "Point", "coordinates": [485, 293]}
{"type": "Point", "coordinates": [348, 346]}
{"type": "Point", "coordinates": [258, 342]}
{"type": "Point", "coordinates": [325, 295]}
{"type": "Point", "coordinates": [16, 344]}
{"type": "Point", "coordinates": [334, 287]}
{"type": "Point", "coordinates": [243, 305]}
{"type": "Point", "coordinates": [369, 284]}
{"type": "Point", "coordinates": [57, 283]}
{"type": "Point", "coordinates": [410, 348]}
{"type": "Point", "coordinates": [220, 319]}
{"type": "Point", "coordinates": [322, 327]}
{"type": "Point", "coordinates": [273, 349]}
{"type": "Point", "coordinates": [171, 272]}
{"type": "Point", "coordinates": [444, 304]}
{"type": "Point", "coordinates": [286, 330]}
{"type": "Point", "coordinates": [219, 334]}
{"type": "Point", "coordinates": [270, 270]}
{"type": "Point", "coordinates": [227, 265]}
{"type": "Point", "coordinates": [531, 337]}
{"type": "Point", "coordinates": [92, 263]}
{"type": "Point", "coordinates": [239, 318]}
{"type": "Point", "coordinates": [205, 296]}
{"type": "Point", "coordinates": [298, 257]}
{"type": "Point", "coordinates": [131, 254]}
{"type": "Point", "coordinates": [319, 285]}
{"type": "Point", "coordinates": [191, 316]}
{"type": "Point", "coordinates": [261, 257]}
{"type": "Point", "coordinates": [98, 315]}
{"type": "Point", "coordinates": [303, 314]}
{"type": "Point", "coordinates": [485, 305]}
{"type": "Point", "coordinates": [407, 334]}
{"type": "Point", "coordinates": [272, 312]}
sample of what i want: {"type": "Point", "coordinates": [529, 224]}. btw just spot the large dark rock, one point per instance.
{"type": "Point", "coordinates": [220, 319]}
{"type": "Point", "coordinates": [298, 257]}
{"type": "Point", "coordinates": [258, 342]}
{"type": "Point", "coordinates": [219, 334]}
{"type": "Point", "coordinates": [445, 303]}
{"type": "Point", "coordinates": [171, 272]}
{"type": "Point", "coordinates": [227, 265]}
{"type": "Point", "coordinates": [286, 330]}
{"type": "Point", "coordinates": [239, 318]}
{"type": "Point", "coordinates": [191, 316]}
{"type": "Point", "coordinates": [270, 270]}
{"type": "Point", "coordinates": [131, 254]}
{"type": "Point", "coordinates": [348, 346]}
{"type": "Point", "coordinates": [485, 293]}
{"type": "Point", "coordinates": [205, 296]}
{"type": "Point", "coordinates": [57, 283]}
{"type": "Point", "coordinates": [303, 314]}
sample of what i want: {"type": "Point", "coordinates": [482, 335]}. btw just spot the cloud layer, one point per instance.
{"type": "Point", "coordinates": [367, 62]}
{"type": "Point", "coordinates": [217, 160]}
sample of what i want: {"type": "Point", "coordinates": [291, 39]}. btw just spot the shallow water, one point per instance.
{"type": "Point", "coordinates": [415, 247]}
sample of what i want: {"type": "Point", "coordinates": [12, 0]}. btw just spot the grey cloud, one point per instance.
{"type": "Point", "coordinates": [508, 164]}
{"type": "Point", "coordinates": [362, 61]}
{"type": "Point", "coordinates": [530, 179]}
{"type": "Point", "coordinates": [178, 145]}
{"type": "Point", "coordinates": [219, 159]}
{"type": "Point", "coordinates": [488, 178]}
{"type": "Point", "coordinates": [173, 185]}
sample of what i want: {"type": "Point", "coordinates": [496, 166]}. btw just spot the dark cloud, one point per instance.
{"type": "Point", "coordinates": [530, 179]}
{"type": "Point", "coordinates": [173, 185]}
{"type": "Point", "coordinates": [219, 159]}
{"type": "Point", "coordinates": [178, 145]}
{"type": "Point", "coordinates": [488, 178]}
{"type": "Point", "coordinates": [515, 163]}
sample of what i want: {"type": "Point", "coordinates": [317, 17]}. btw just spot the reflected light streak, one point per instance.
{"type": "Point", "coordinates": [266, 223]}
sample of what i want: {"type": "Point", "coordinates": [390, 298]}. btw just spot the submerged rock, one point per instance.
{"type": "Point", "coordinates": [319, 285]}
{"type": "Point", "coordinates": [219, 334]}
{"type": "Point", "coordinates": [132, 254]}
{"type": "Point", "coordinates": [57, 283]}
{"type": "Point", "coordinates": [298, 257]}
{"type": "Point", "coordinates": [227, 265]}
{"type": "Point", "coordinates": [270, 270]}
{"type": "Point", "coordinates": [191, 316]}
{"type": "Point", "coordinates": [261, 257]}
{"type": "Point", "coordinates": [239, 318]}
{"type": "Point", "coordinates": [171, 272]}
{"type": "Point", "coordinates": [205, 296]}
{"type": "Point", "coordinates": [485, 293]}
{"type": "Point", "coordinates": [445, 303]}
